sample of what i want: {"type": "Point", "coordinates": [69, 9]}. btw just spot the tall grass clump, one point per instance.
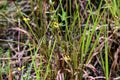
{"type": "Point", "coordinates": [59, 40]}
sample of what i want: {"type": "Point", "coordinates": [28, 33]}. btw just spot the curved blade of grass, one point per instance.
{"type": "Point", "coordinates": [50, 58]}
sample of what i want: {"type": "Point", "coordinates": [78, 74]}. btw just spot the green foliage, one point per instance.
{"type": "Point", "coordinates": [60, 39]}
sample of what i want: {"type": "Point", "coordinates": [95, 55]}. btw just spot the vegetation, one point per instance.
{"type": "Point", "coordinates": [59, 39]}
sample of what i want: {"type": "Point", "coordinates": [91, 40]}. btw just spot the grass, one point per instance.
{"type": "Point", "coordinates": [62, 40]}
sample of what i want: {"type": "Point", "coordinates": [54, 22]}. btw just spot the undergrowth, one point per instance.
{"type": "Point", "coordinates": [59, 40]}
